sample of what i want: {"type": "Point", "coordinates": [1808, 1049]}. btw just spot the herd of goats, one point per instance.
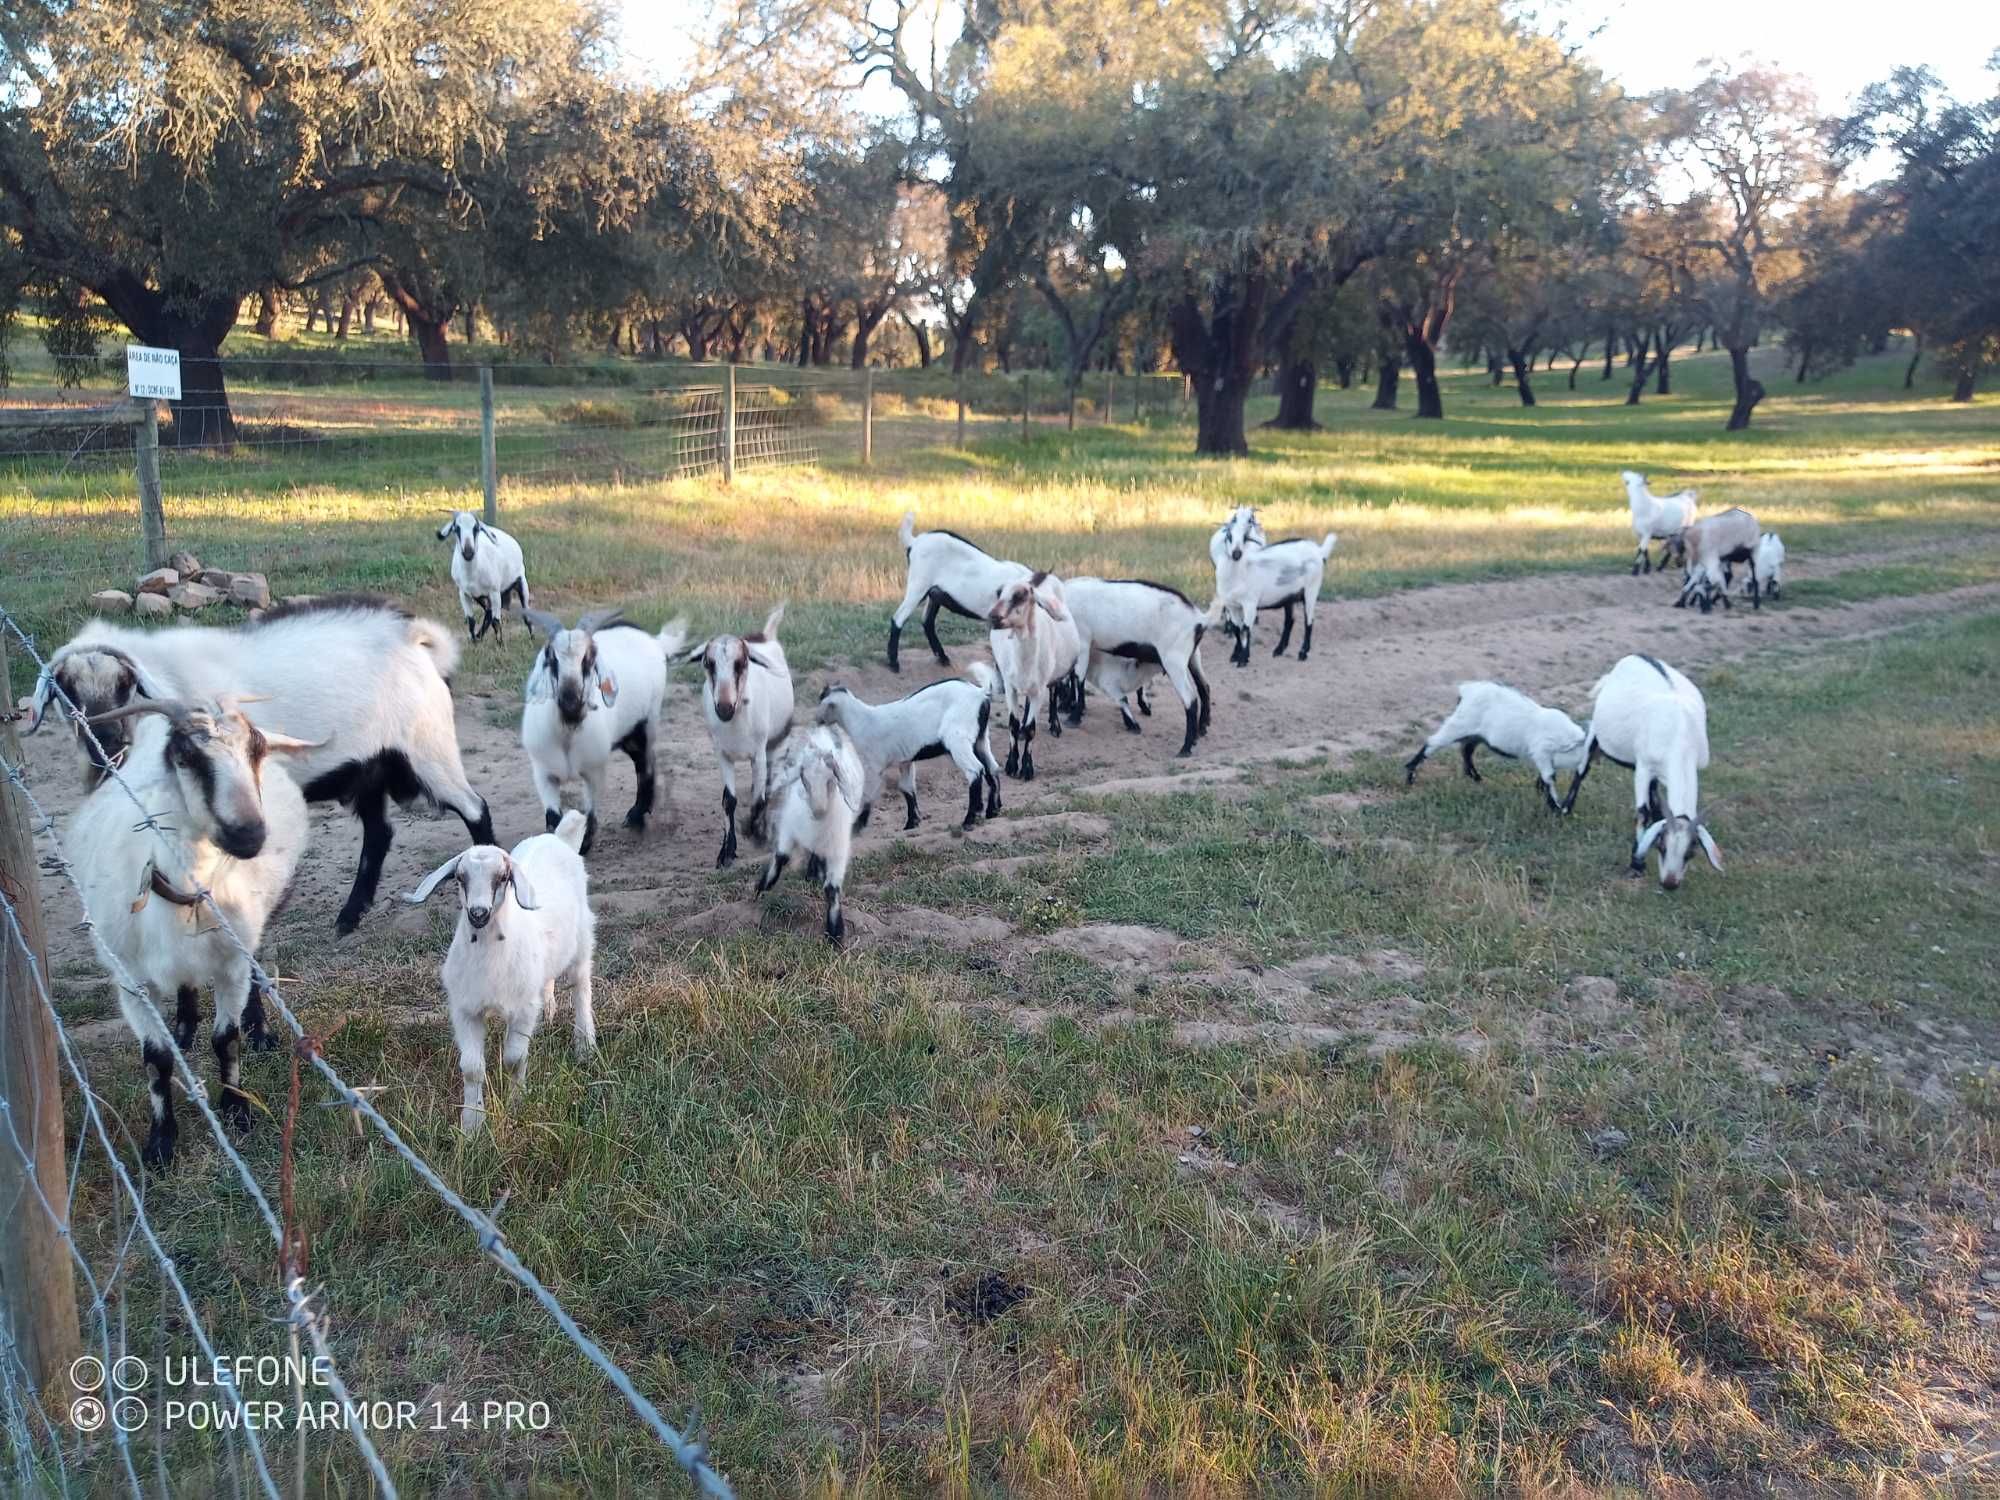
{"type": "Point", "coordinates": [223, 736]}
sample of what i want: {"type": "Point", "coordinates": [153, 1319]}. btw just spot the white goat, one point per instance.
{"type": "Point", "coordinates": [951, 573]}
{"type": "Point", "coordinates": [234, 825]}
{"type": "Point", "coordinates": [1036, 648]}
{"type": "Point", "coordinates": [1657, 518]}
{"type": "Point", "coordinates": [544, 932]}
{"type": "Point", "coordinates": [1147, 623]}
{"type": "Point", "coordinates": [946, 718]}
{"type": "Point", "coordinates": [818, 785]}
{"type": "Point", "coordinates": [1767, 566]}
{"type": "Point", "coordinates": [486, 566]}
{"type": "Point", "coordinates": [1252, 573]}
{"type": "Point", "coordinates": [746, 693]}
{"type": "Point", "coordinates": [1647, 716]}
{"type": "Point", "coordinates": [1507, 723]}
{"type": "Point", "coordinates": [1715, 544]}
{"type": "Point", "coordinates": [595, 689]}
{"type": "Point", "coordinates": [360, 677]}
{"type": "Point", "coordinates": [1123, 681]}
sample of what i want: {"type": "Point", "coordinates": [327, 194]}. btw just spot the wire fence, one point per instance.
{"type": "Point", "coordinates": [49, 1457]}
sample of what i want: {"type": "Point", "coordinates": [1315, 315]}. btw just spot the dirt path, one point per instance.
{"type": "Point", "coordinates": [1378, 665]}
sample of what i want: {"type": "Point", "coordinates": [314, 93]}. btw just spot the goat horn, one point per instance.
{"type": "Point", "coordinates": [173, 708]}
{"type": "Point", "coordinates": [602, 619]}
{"type": "Point", "coordinates": [547, 623]}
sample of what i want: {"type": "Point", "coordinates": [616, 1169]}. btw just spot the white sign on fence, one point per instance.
{"type": "Point", "coordinates": [153, 374]}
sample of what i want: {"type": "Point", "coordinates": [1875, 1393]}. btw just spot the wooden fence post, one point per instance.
{"type": "Point", "coordinates": [728, 423]}
{"type": "Point", "coordinates": [152, 516]}
{"type": "Point", "coordinates": [1138, 389]}
{"type": "Point", "coordinates": [489, 466]}
{"type": "Point", "coordinates": [1110, 397]}
{"type": "Point", "coordinates": [37, 1284]}
{"type": "Point", "coordinates": [1024, 406]}
{"type": "Point", "coordinates": [958, 389]}
{"type": "Point", "coordinates": [868, 414]}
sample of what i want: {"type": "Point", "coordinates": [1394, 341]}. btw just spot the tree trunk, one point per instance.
{"type": "Point", "coordinates": [1343, 369]}
{"type": "Point", "coordinates": [922, 335]}
{"type": "Point", "coordinates": [1298, 382]}
{"type": "Point", "coordinates": [1574, 368]}
{"type": "Point", "coordinates": [1610, 350]}
{"type": "Point", "coordinates": [1699, 335]}
{"type": "Point", "coordinates": [1910, 372]}
{"type": "Point", "coordinates": [1524, 365]}
{"type": "Point", "coordinates": [865, 323]}
{"type": "Point", "coordinates": [1663, 384]}
{"type": "Point", "coordinates": [368, 314]}
{"type": "Point", "coordinates": [346, 317]}
{"type": "Point", "coordinates": [1805, 363]}
{"type": "Point", "coordinates": [472, 325]}
{"type": "Point", "coordinates": [1748, 390]}
{"type": "Point", "coordinates": [432, 343]}
{"type": "Point", "coordinates": [267, 313]}
{"type": "Point", "coordinates": [1219, 351]}
{"type": "Point", "coordinates": [1961, 391]}
{"type": "Point", "coordinates": [1496, 369]}
{"type": "Point", "coordinates": [201, 417]}
{"type": "Point", "coordinates": [1640, 349]}
{"type": "Point", "coordinates": [1386, 381]}
{"type": "Point", "coordinates": [695, 331]}
{"type": "Point", "coordinates": [1423, 365]}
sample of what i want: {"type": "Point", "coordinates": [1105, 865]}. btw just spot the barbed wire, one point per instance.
{"type": "Point", "coordinates": [689, 1450]}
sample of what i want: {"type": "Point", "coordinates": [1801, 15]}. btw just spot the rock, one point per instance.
{"type": "Point", "coordinates": [217, 578]}
{"type": "Point", "coordinates": [186, 564]}
{"type": "Point", "coordinates": [1592, 989]}
{"type": "Point", "coordinates": [111, 601]}
{"type": "Point", "coordinates": [254, 614]}
{"type": "Point", "coordinates": [159, 581]}
{"type": "Point", "coordinates": [152, 606]}
{"type": "Point", "coordinates": [193, 595]}
{"type": "Point", "coordinates": [250, 589]}
{"type": "Point", "coordinates": [1609, 1142]}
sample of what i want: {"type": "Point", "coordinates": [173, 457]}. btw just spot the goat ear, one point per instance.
{"type": "Point", "coordinates": [850, 792]}
{"type": "Point", "coordinates": [524, 894]}
{"type": "Point", "coordinates": [761, 660]}
{"type": "Point", "coordinates": [695, 653]}
{"type": "Point", "coordinates": [290, 746]}
{"type": "Point", "coordinates": [1708, 848]}
{"type": "Point", "coordinates": [444, 533]}
{"type": "Point", "coordinates": [37, 706]}
{"type": "Point", "coordinates": [432, 881]}
{"type": "Point", "coordinates": [607, 688]}
{"type": "Point", "coordinates": [1648, 839]}
{"type": "Point", "coordinates": [1052, 602]}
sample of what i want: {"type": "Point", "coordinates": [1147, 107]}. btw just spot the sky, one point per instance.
{"type": "Point", "coordinates": [1840, 45]}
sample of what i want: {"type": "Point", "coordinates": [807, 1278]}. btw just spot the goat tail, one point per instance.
{"type": "Point", "coordinates": [906, 530]}
{"type": "Point", "coordinates": [982, 676]}
{"type": "Point", "coordinates": [434, 638]}
{"type": "Point", "coordinates": [1326, 546]}
{"type": "Point", "coordinates": [1214, 616]}
{"type": "Point", "coordinates": [673, 635]}
{"type": "Point", "coordinates": [771, 621]}
{"type": "Point", "coordinates": [570, 829]}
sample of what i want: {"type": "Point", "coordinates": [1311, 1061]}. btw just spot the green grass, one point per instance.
{"type": "Point", "coordinates": [1557, 1183]}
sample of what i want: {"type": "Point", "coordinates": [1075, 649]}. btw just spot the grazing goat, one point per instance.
{"type": "Point", "coordinates": [1714, 545]}
{"type": "Point", "coordinates": [946, 718]}
{"type": "Point", "coordinates": [1767, 567]}
{"type": "Point", "coordinates": [1507, 723]}
{"type": "Point", "coordinates": [486, 567]}
{"type": "Point", "coordinates": [818, 786]}
{"type": "Point", "coordinates": [746, 693]}
{"type": "Point", "coordinates": [1252, 574]}
{"type": "Point", "coordinates": [1147, 623]}
{"type": "Point", "coordinates": [595, 689]}
{"type": "Point", "coordinates": [363, 679]}
{"type": "Point", "coordinates": [1647, 716]}
{"type": "Point", "coordinates": [1036, 649]}
{"type": "Point", "coordinates": [533, 902]}
{"type": "Point", "coordinates": [232, 825]}
{"type": "Point", "coordinates": [1657, 518]}
{"type": "Point", "coordinates": [951, 573]}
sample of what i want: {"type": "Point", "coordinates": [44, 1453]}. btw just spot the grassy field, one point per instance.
{"type": "Point", "coordinates": [1405, 1148]}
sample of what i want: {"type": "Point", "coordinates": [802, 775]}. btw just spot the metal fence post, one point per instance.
{"type": "Point", "coordinates": [728, 423]}
{"type": "Point", "coordinates": [152, 517]}
{"type": "Point", "coordinates": [958, 390]}
{"type": "Point", "coordinates": [489, 467]}
{"type": "Point", "coordinates": [37, 1285]}
{"type": "Point", "coordinates": [868, 415]}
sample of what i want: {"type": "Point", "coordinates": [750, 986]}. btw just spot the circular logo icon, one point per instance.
{"type": "Point", "coordinates": [87, 1413]}
{"type": "Point", "coordinates": [86, 1372]}
{"type": "Point", "coordinates": [129, 1373]}
{"type": "Point", "coordinates": [129, 1413]}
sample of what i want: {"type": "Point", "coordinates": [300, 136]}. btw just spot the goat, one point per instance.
{"type": "Point", "coordinates": [1657, 518]}
{"type": "Point", "coordinates": [746, 693]}
{"type": "Point", "coordinates": [1036, 649]}
{"type": "Point", "coordinates": [818, 786]}
{"type": "Point", "coordinates": [1507, 723]}
{"type": "Point", "coordinates": [1647, 716]}
{"type": "Point", "coordinates": [1123, 681]}
{"type": "Point", "coordinates": [1147, 623]}
{"type": "Point", "coordinates": [595, 689]}
{"type": "Point", "coordinates": [363, 679]}
{"type": "Point", "coordinates": [232, 827]}
{"type": "Point", "coordinates": [486, 567]}
{"type": "Point", "coordinates": [545, 933]}
{"type": "Point", "coordinates": [1252, 574]}
{"type": "Point", "coordinates": [946, 718]}
{"type": "Point", "coordinates": [951, 573]}
{"type": "Point", "coordinates": [1767, 567]}
{"type": "Point", "coordinates": [1714, 545]}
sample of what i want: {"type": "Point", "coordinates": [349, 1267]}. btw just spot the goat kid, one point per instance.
{"type": "Point", "coordinates": [486, 567]}
{"type": "Point", "coordinates": [1715, 544]}
{"type": "Point", "coordinates": [818, 785]}
{"type": "Point", "coordinates": [1253, 574]}
{"type": "Point", "coordinates": [948, 572]}
{"type": "Point", "coordinates": [1657, 518]}
{"type": "Point", "coordinates": [1036, 648]}
{"type": "Point", "coordinates": [945, 718]}
{"type": "Point", "coordinates": [746, 694]}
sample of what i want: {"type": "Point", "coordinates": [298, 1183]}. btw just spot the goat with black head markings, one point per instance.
{"type": "Point", "coordinates": [746, 694]}
{"type": "Point", "coordinates": [946, 718]}
{"type": "Point", "coordinates": [231, 826]}
{"type": "Point", "coordinates": [818, 786]}
{"type": "Point", "coordinates": [486, 567]}
{"type": "Point", "coordinates": [1253, 573]}
{"type": "Point", "coordinates": [524, 922]}
{"type": "Point", "coordinates": [1036, 648]}
{"type": "Point", "coordinates": [594, 689]}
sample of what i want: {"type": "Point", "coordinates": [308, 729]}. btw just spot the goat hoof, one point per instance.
{"type": "Point", "coordinates": [158, 1152]}
{"type": "Point", "coordinates": [345, 923]}
{"type": "Point", "coordinates": [725, 859]}
{"type": "Point", "coordinates": [1302, 656]}
{"type": "Point", "coordinates": [1027, 770]}
{"type": "Point", "coordinates": [234, 1109]}
{"type": "Point", "coordinates": [261, 1040]}
{"type": "Point", "coordinates": [911, 822]}
{"type": "Point", "coordinates": [549, 821]}
{"type": "Point", "coordinates": [635, 820]}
